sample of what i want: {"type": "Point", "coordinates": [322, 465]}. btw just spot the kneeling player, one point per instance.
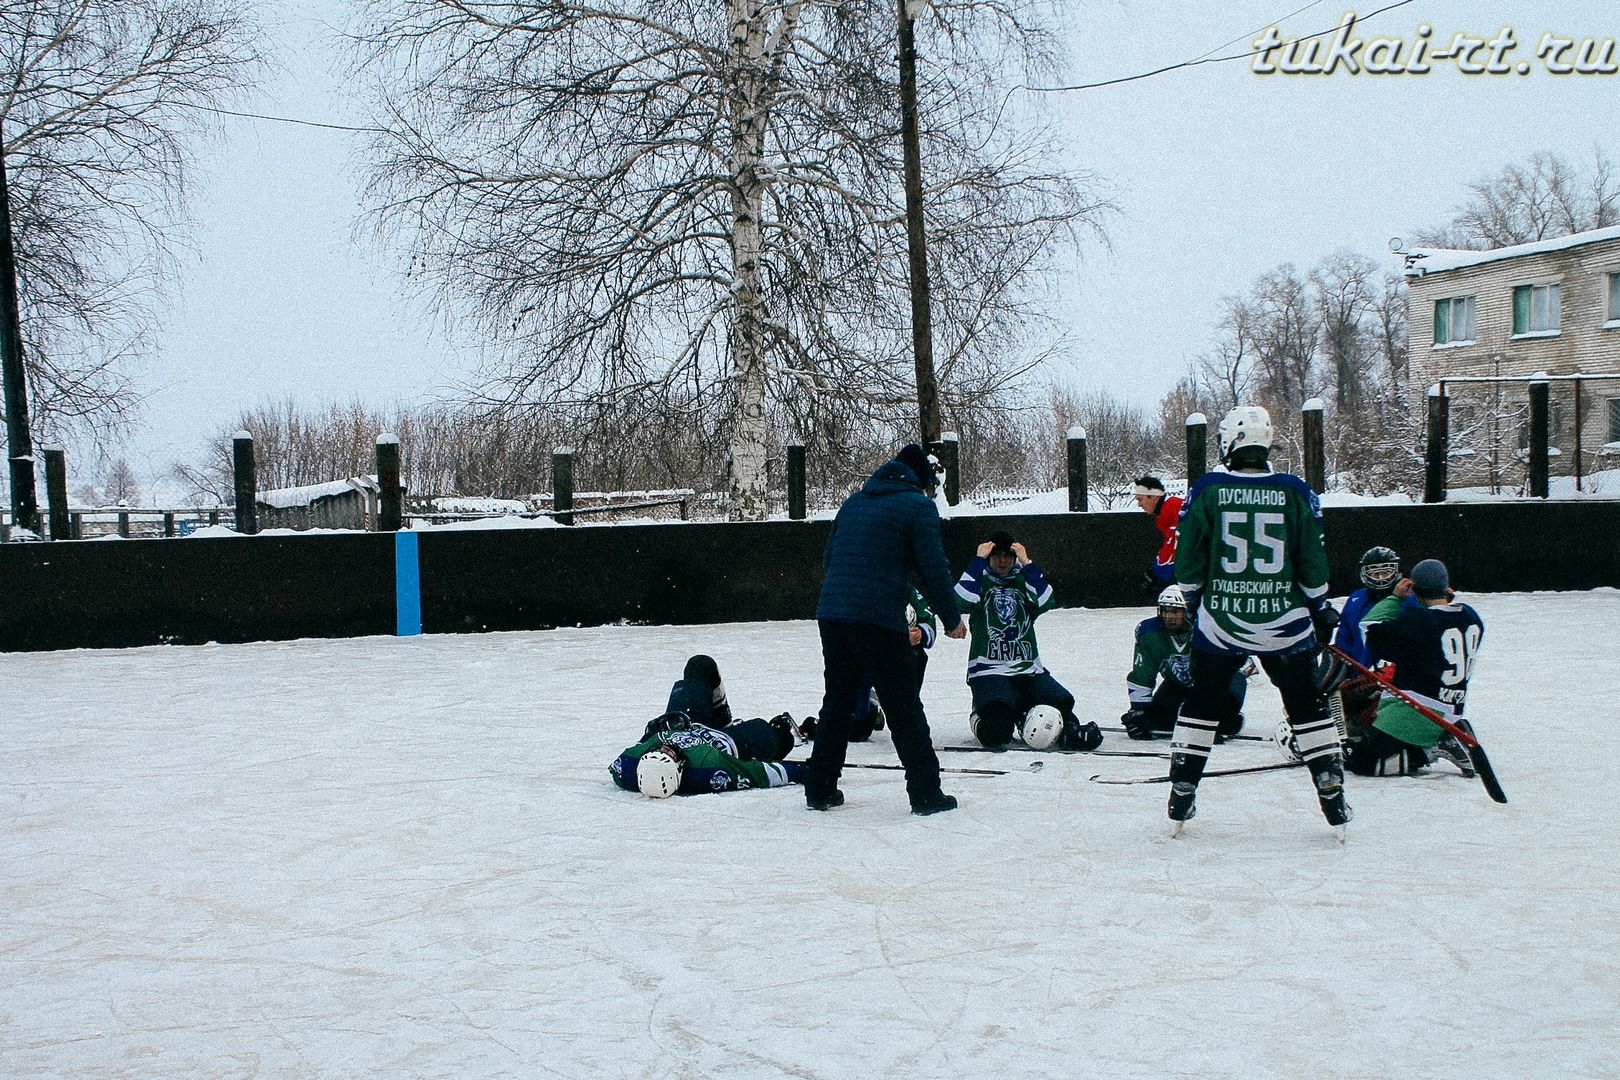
{"type": "Point", "coordinates": [1431, 649]}
{"type": "Point", "coordinates": [1163, 655]}
{"type": "Point", "coordinates": [1001, 594]}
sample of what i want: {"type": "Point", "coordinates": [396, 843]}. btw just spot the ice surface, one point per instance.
{"type": "Point", "coordinates": [389, 857]}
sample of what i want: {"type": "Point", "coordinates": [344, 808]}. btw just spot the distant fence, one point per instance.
{"type": "Point", "coordinates": [236, 588]}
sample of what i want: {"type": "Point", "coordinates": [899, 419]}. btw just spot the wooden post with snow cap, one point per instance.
{"type": "Point", "coordinates": [61, 527]}
{"type": "Point", "coordinates": [1310, 416]}
{"type": "Point", "coordinates": [1540, 434]}
{"type": "Point", "coordinates": [247, 515]}
{"type": "Point", "coordinates": [795, 481]}
{"type": "Point", "coordinates": [390, 497]}
{"type": "Point", "coordinates": [948, 450]}
{"type": "Point", "coordinates": [1077, 469]}
{"type": "Point", "coordinates": [1439, 438]}
{"type": "Point", "coordinates": [562, 485]}
{"type": "Point", "coordinates": [1197, 447]}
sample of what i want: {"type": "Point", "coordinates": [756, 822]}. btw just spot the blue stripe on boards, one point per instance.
{"type": "Point", "coordinates": [407, 585]}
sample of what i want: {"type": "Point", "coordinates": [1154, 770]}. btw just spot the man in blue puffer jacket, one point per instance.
{"type": "Point", "coordinates": [883, 534]}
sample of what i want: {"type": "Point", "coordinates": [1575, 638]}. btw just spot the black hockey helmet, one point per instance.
{"type": "Point", "coordinates": [1380, 568]}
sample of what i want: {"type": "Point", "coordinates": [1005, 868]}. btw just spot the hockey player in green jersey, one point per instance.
{"type": "Point", "coordinates": [1251, 559]}
{"type": "Point", "coordinates": [696, 747]}
{"type": "Point", "coordinates": [1001, 593]}
{"type": "Point", "coordinates": [1163, 656]}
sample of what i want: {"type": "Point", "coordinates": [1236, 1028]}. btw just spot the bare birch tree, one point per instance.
{"type": "Point", "coordinates": [701, 200]}
{"type": "Point", "coordinates": [98, 100]}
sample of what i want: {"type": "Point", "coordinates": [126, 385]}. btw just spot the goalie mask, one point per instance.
{"type": "Point", "coordinates": [658, 773]}
{"type": "Point", "coordinates": [1042, 726]}
{"type": "Point", "coordinates": [1380, 569]}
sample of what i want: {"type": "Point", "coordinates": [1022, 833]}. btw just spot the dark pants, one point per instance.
{"type": "Point", "coordinates": [756, 739]}
{"type": "Point", "coordinates": [1169, 696]}
{"type": "Point", "coordinates": [854, 654]}
{"type": "Point", "coordinates": [865, 719]}
{"type": "Point", "coordinates": [1211, 700]}
{"type": "Point", "coordinates": [1002, 700]}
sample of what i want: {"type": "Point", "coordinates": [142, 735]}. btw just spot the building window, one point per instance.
{"type": "Point", "coordinates": [1454, 320]}
{"type": "Point", "coordinates": [1535, 309]}
{"type": "Point", "coordinates": [1613, 310]}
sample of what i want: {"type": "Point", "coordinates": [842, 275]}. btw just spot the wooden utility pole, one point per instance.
{"type": "Point", "coordinates": [922, 320]}
{"type": "Point", "coordinates": [19, 443]}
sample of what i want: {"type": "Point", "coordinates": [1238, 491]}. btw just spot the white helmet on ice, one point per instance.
{"type": "Point", "coordinates": [1246, 425]}
{"type": "Point", "coordinates": [658, 773]}
{"type": "Point", "coordinates": [1042, 726]}
{"type": "Point", "coordinates": [1284, 738]}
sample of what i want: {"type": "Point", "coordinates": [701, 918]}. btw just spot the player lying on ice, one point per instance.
{"type": "Point", "coordinates": [695, 747]}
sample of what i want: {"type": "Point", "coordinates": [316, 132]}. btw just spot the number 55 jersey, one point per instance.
{"type": "Point", "coordinates": [1250, 545]}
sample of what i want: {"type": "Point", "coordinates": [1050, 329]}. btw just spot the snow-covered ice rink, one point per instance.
{"type": "Point", "coordinates": [403, 858]}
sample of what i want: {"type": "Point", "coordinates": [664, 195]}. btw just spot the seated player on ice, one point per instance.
{"type": "Point", "coordinates": [1163, 657]}
{"type": "Point", "coordinates": [695, 747]}
{"type": "Point", "coordinates": [1001, 594]}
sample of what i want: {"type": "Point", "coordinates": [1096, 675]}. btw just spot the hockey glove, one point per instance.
{"type": "Point", "coordinates": [1136, 724]}
{"type": "Point", "coordinates": [1325, 619]}
{"type": "Point", "coordinates": [1081, 736]}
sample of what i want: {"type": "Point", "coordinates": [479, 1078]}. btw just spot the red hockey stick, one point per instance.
{"type": "Point", "coordinates": [1476, 752]}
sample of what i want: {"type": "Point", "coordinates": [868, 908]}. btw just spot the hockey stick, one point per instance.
{"type": "Point", "coordinates": [1101, 779]}
{"type": "Point", "coordinates": [1166, 735]}
{"type": "Point", "coordinates": [1021, 749]}
{"type": "Point", "coordinates": [1476, 752]}
{"type": "Point", "coordinates": [1034, 766]}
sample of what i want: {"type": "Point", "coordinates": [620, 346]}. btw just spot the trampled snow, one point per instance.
{"type": "Point", "coordinates": [403, 858]}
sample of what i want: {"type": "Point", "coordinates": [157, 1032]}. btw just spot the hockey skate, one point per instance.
{"type": "Point", "coordinates": [1330, 793]}
{"type": "Point", "coordinates": [1183, 798]}
{"type": "Point", "coordinates": [1450, 748]}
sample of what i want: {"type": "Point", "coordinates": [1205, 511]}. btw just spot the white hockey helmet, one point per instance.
{"type": "Point", "coordinates": [1042, 726]}
{"type": "Point", "coordinates": [1172, 597]}
{"type": "Point", "coordinates": [1246, 425]}
{"type": "Point", "coordinates": [658, 773]}
{"type": "Point", "coordinates": [1284, 738]}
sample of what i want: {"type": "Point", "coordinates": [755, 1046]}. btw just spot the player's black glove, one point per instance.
{"type": "Point", "coordinates": [1136, 724]}
{"type": "Point", "coordinates": [1324, 619]}
{"type": "Point", "coordinates": [1078, 736]}
{"type": "Point", "coordinates": [1147, 583]}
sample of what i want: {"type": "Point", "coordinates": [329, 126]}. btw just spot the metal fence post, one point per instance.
{"type": "Point", "coordinates": [1197, 447]}
{"type": "Point", "coordinates": [795, 482]}
{"type": "Point", "coordinates": [247, 515]}
{"type": "Point", "coordinates": [562, 485]}
{"type": "Point", "coordinates": [1310, 416]}
{"type": "Point", "coordinates": [61, 528]}
{"type": "Point", "coordinates": [1540, 435]}
{"type": "Point", "coordinates": [390, 499]}
{"type": "Point", "coordinates": [1077, 469]}
{"type": "Point", "coordinates": [1434, 462]}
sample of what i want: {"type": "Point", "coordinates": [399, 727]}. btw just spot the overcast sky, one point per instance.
{"type": "Point", "coordinates": [1220, 174]}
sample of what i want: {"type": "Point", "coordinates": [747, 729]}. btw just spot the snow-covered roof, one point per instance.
{"type": "Point", "coordinates": [1421, 262]}
{"type": "Point", "coordinates": [285, 498]}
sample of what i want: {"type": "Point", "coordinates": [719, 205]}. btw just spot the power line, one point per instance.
{"type": "Point", "coordinates": [1206, 58]}
{"type": "Point", "coordinates": [279, 119]}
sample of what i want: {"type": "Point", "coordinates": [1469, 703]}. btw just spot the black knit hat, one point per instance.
{"type": "Point", "coordinates": [915, 458]}
{"type": "Point", "coordinates": [1001, 540]}
{"type": "Point", "coordinates": [1430, 580]}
